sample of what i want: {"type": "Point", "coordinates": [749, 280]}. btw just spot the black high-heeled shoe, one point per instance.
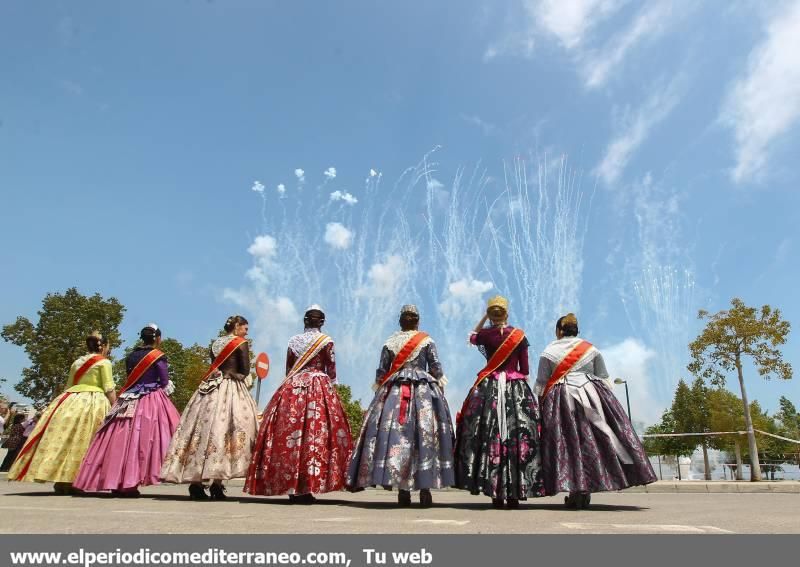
{"type": "Point", "coordinates": [197, 492]}
{"type": "Point", "coordinates": [217, 492]}
{"type": "Point", "coordinates": [404, 498]}
{"type": "Point", "coordinates": [425, 498]}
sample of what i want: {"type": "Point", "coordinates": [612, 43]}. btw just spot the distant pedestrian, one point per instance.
{"type": "Point", "coordinates": [14, 441]}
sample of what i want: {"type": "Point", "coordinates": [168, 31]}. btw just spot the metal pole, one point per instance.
{"type": "Point", "coordinates": [258, 391]}
{"type": "Point", "coordinates": [628, 399]}
{"type": "Point", "coordinates": [660, 476]}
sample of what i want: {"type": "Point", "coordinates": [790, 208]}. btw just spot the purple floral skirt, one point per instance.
{"type": "Point", "coordinates": [588, 443]}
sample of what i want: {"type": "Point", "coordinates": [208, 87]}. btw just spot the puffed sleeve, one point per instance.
{"type": "Point", "coordinates": [432, 359]}
{"type": "Point", "coordinates": [291, 358]}
{"type": "Point", "coordinates": [524, 367]}
{"type": "Point", "coordinates": [600, 367]}
{"type": "Point", "coordinates": [329, 356]}
{"type": "Point", "coordinates": [543, 375]}
{"type": "Point", "coordinates": [243, 359]}
{"type": "Point", "coordinates": [106, 378]}
{"type": "Point", "coordinates": [162, 368]}
{"type": "Point", "coordinates": [386, 362]}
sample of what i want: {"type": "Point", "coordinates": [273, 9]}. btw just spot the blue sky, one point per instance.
{"type": "Point", "coordinates": [657, 142]}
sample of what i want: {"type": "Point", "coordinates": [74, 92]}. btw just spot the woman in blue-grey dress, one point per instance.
{"type": "Point", "coordinates": [588, 443]}
{"type": "Point", "coordinates": [406, 441]}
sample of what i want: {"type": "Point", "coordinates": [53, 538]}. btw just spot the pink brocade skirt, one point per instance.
{"type": "Point", "coordinates": [127, 452]}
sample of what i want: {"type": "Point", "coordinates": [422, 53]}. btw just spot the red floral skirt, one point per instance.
{"type": "Point", "coordinates": [304, 441]}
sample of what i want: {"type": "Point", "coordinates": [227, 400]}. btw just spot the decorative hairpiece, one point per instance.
{"type": "Point", "coordinates": [498, 301]}
{"type": "Point", "coordinates": [151, 326]}
{"type": "Point", "coordinates": [314, 307]}
{"type": "Point", "coordinates": [410, 308]}
{"type": "Point", "coordinates": [96, 335]}
{"type": "Point", "coordinates": [569, 319]}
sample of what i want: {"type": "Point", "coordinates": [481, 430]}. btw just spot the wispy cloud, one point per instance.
{"type": "Point", "coordinates": [475, 120]}
{"type": "Point", "coordinates": [570, 20]}
{"type": "Point", "coordinates": [519, 44]}
{"type": "Point", "coordinates": [635, 127]}
{"type": "Point", "coordinates": [651, 21]}
{"type": "Point", "coordinates": [464, 296]}
{"type": "Point", "coordinates": [765, 103]}
{"type": "Point", "coordinates": [631, 360]}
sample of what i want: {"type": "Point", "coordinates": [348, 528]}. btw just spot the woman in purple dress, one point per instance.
{"type": "Point", "coordinates": [588, 443]}
{"type": "Point", "coordinates": [497, 438]}
{"type": "Point", "coordinates": [128, 449]}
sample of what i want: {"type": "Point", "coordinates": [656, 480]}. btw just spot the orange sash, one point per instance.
{"type": "Point", "coordinates": [234, 343]}
{"type": "Point", "coordinates": [33, 443]}
{"type": "Point", "coordinates": [141, 367]}
{"type": "Point", "coordinates": [85, 367]}
{"type": "Point", "coordinates": [567, 363]}
{"type": "Point", "coordinates": [312, 351]}
{"type": "Point", "coordinates": [402, 356]}
{"type": "Point", "coordinates": [509, 345]}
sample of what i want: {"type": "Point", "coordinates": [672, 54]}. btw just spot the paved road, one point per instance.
{"type": "Point", "coordinates": [33, 508]}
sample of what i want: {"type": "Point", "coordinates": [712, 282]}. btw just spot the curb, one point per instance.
{"type": "Point", "coordinates": [719, 487]}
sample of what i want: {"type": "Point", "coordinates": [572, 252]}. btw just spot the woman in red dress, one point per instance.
{"type": "Point", "coordinates": [304, 442]}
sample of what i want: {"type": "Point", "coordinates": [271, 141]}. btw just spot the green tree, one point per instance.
{"type": "Point", "coordinates": [789, 420]}
{"type": "Point", "coordinates": [352, 408]}
{"type": "Point", "coordinates": [729, 336]}
{"type": "Point", "coordinates": [700, 419]}
{"type": "Point", "coordinates": [58, 338]}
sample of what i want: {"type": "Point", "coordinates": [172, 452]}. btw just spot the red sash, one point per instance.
{"type": "Point", "coordinates": [141, 367]}
{"type": "Point", "coordinates": [509, 345]}
{"type": "Point", "coordinates": [567, 363]}
{"type": "Point", "coordinates": [402, 356]}
{"type": "Point", "coordinates": [33, 442]}
{"type": "Point", "coordinates": [94, 359]}
{"type": "Point", "coordinates": [234, 343]}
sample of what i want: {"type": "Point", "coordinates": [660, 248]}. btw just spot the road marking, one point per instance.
{"type": "Point", "coordinates": [674, 528]}
{"type": "Point", "coordinates": [452, 522]}
{"type": "Point", "coordinates": [37, 508]}
{"type": "Point", "coordinates": [334, 519]}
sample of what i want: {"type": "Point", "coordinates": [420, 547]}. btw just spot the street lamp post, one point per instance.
{"type": "Point", "coordinates": [627, 397]}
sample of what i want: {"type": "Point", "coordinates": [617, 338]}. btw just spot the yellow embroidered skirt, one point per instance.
{"type": "Point", "coordinates": [55, 448]}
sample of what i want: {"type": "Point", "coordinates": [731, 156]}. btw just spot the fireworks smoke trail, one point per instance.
{"type": "Point", "coordinates": [443, 246]}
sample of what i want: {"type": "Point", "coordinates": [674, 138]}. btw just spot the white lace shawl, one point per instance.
{"type": "Point", "coordinates": [396, 341]}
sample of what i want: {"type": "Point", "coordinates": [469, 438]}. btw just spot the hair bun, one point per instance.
{"type": "Point", "coordinates": [569, 319]}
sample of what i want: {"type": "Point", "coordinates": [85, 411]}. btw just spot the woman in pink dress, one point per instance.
{"type": "Point", "coordinates": [128, 449]}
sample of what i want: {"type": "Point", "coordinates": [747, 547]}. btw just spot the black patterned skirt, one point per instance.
{"type": "Point", "coordinates": [495, 455]}
{"type": "Point", "coordinates": [588, 443]}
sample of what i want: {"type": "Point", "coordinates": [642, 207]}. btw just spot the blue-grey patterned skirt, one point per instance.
{"type": "Point", "coordinates": [409, 450]}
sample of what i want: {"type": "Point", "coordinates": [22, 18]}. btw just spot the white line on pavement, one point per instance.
{"type": "Point", "coordinates": [334, 519]}
{"type": "Point", "coordinates": [432, 521]}
{"type": "Point", "coordinates": [37, 508]}
{"type": "Point", "coordinates": [674, 528]}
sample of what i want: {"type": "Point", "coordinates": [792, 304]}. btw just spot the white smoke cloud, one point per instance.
{"type": "Point", "coordinates": [281, 188]}
{"type": "Point", "coordinates": [343, 196]}
{"type": "Point", "coordinates": [464, 296]}
{"type": "Point", "coordinates": [330, 173]}
{"type": "Point", "coordinates": [258, 187]}
{"type": "Point", "coordinates": [384, 278]}
{"type": "Point", "coordinates": [434, 184]}
{"type": "Point", "coordinates": [373, 173]}
{"type": "Point", "coordinates": [338, 236]}
{"type": "Point", "coordinates": [631, 360]}
{"type": "Point", "coordinates": [300, 174]}
{"type": "Point", "coordinates": [263, 249]}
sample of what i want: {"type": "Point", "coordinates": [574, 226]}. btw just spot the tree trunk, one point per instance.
{"type": "Point", "coordinates": [706, 465]}
{"type": "Point", "coordinates": [738, 449]}
{"type": "Point", "coordinates": [755, 468]}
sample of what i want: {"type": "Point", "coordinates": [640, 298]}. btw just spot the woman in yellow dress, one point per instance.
{"type": "Point", "coordinates": [55, 448]}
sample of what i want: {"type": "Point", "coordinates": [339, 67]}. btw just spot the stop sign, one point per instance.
{"type": "Point", "coordinates": [262, 365]}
